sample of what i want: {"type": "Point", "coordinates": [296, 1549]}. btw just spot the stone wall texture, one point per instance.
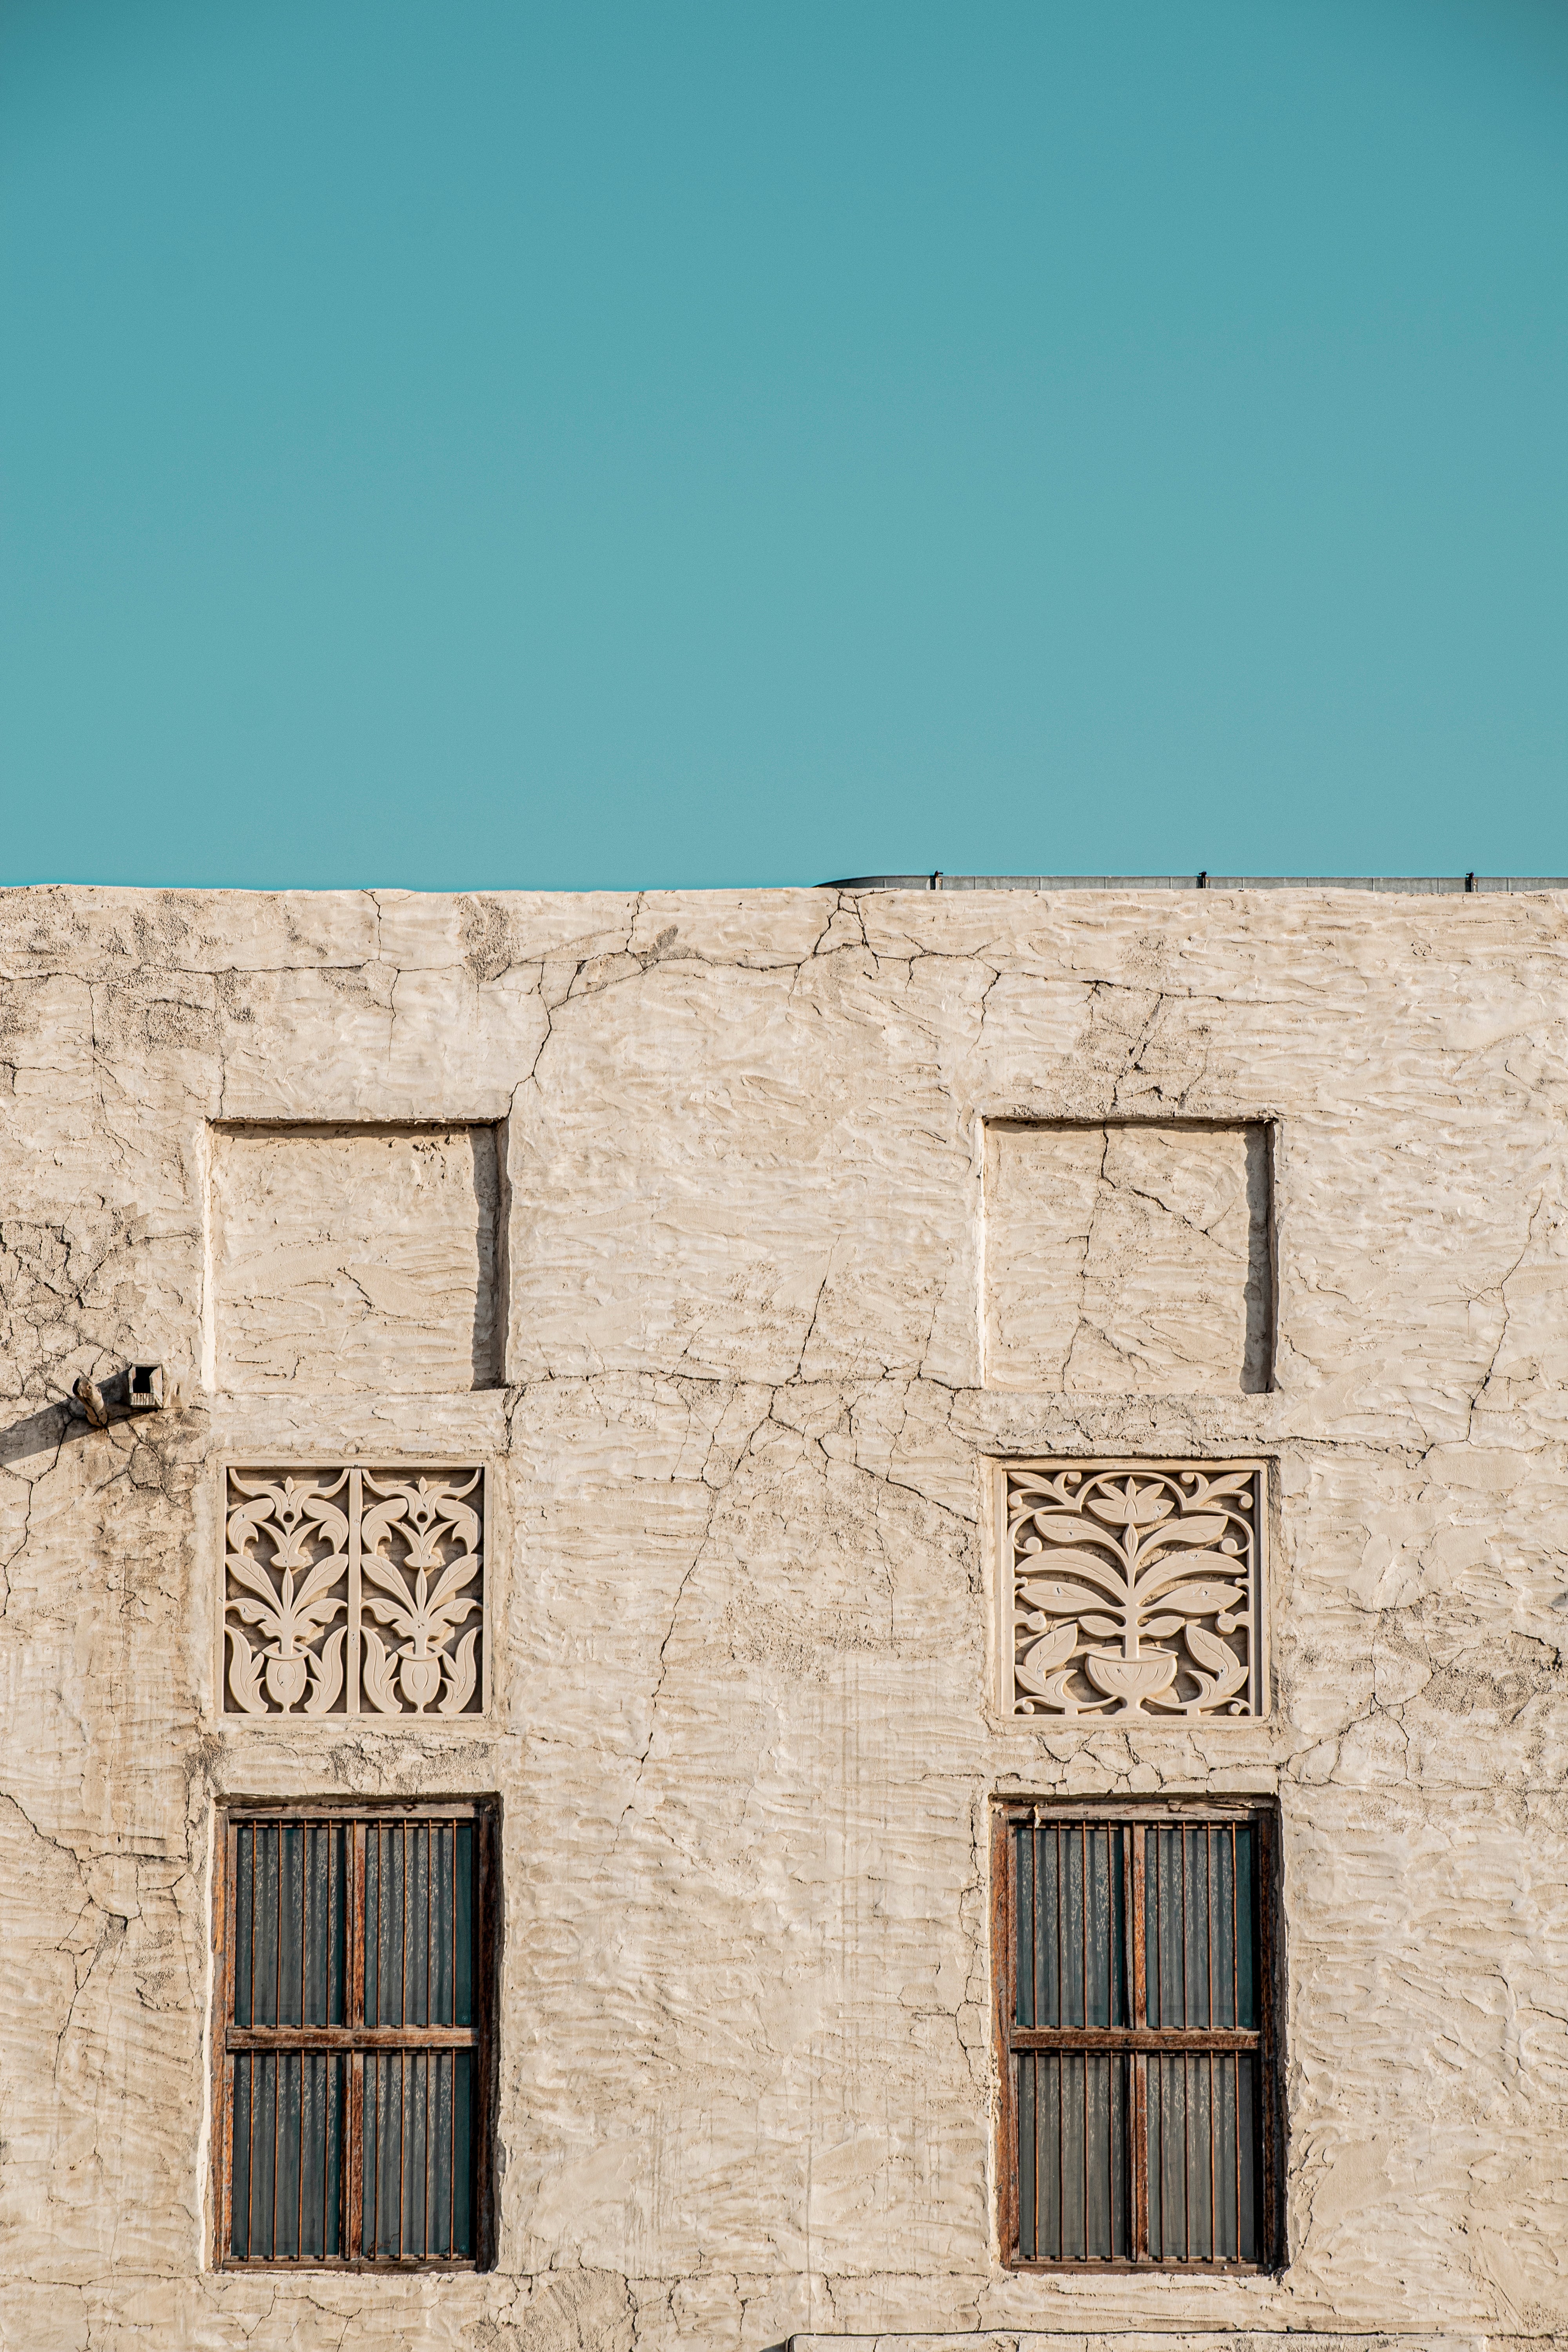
{"type": "Point", "coordinates": [681, 1228]}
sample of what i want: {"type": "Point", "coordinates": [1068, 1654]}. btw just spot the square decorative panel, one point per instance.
{"type": "Point", "coordinates": [1133, 1588]}
{"type": "Point", "coordinates": [354, 1591]}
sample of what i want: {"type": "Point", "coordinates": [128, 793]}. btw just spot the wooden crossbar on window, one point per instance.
{"type": "Point", "coordinates": [1134, 1993]}
{"type": "Point", "coordinates": [352, 2063]}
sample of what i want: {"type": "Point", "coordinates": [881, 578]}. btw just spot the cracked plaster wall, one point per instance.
{"type": "Point", "coordinates": [744, 1732]}
{"type": "Point", "coordinates": [348, 1258]}
{"type": "Point", "coordinates": [1130, 1258]}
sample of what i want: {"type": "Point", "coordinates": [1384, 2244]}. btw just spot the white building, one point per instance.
{"type": "Point", "coordinates": [847, 1617]}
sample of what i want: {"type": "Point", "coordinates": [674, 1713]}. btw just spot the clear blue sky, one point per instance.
{"type": "Point", "coordinates": [486, 445]}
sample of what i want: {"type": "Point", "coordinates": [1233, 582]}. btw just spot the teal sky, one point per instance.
{"type": "Point", "coordinates": [484, 444]}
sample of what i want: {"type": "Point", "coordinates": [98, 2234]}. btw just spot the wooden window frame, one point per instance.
{"type": "Point", "coordinates": [1140, 2039]}
{"type": "Point", "coordinates": [356, 2041]}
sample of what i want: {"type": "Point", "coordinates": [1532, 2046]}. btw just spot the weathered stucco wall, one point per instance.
{"type": "Point", "coordinates": [745, 1727]}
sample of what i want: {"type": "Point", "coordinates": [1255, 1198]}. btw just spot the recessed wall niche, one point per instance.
{"type": "Point", "coordinates": [1128, 1257]}
{"type": "Point", "coordinates": [348, 1258]}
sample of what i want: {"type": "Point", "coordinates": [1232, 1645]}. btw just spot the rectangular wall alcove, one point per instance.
{"type": "Point", "coordinates": [348, 1258]}
{"type": "Point", "coordinates": [1128, 1257]}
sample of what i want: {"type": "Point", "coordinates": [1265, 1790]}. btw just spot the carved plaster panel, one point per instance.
{"type": "Point", "coordinates": [1133, 1588]}
{"type": "Point", "coordinates": [354, 1592]}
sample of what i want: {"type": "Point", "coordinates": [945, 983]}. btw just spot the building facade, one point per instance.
{"type": "Point", "coordinates": [819, 1614]}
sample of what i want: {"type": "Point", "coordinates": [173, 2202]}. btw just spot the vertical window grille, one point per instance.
{"type": "Point", "coordinates": [1135, 2003]}
{"type": "Point", "coordinates": [354, 1968]}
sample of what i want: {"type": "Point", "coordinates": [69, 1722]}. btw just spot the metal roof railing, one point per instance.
{"type": "Point", "coordinates": [1420, 885]}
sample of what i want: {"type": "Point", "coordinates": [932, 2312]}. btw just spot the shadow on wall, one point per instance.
{"type": "Point", "coordinates": [47, 1428]}
{"type": "Point", "coordinates": [486, 1146]}
{"type": "Point", "coordinates": [41, 1432]}
{"type": "Point", "coordinates": [1257, 1368]}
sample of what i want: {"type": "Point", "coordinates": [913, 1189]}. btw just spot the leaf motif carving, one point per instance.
{"type": "Point", "coordinates": [461, 1673]}
{"type": "Point", "coordinates": [309, 1622]}
{"type": "Point", "coordinates": [465, 1527]}
{"type": "Point", "coordinates": [1133, 1506]}
{"type": "Point", "coordinates": [452, 1580]}
{"type": "Point", "coordinates": [1210, 1652]}
{"type": "Point", "coordinates": [244, 1673]}
{"type": "Point", "coordinates": [1217, 1490]}
{"type": "Point", "coordinates": [320, 1579]}
{"type": "Point", "coordinates": [379, 1687]}
{"type": "Point", "coordinates": [386, 1612]}
{"type": "Point", "coordinates": [382, 1571]}
{"type": "Point", "coordinates": [327, 1674]}
{"type": "Point", "coordinates": [1185, 1531]}
{"type": "Point", "coordinates": [255, 1612]}
{"type": "Point", "coordinates": [1127, 1554]}
{"type": "Point", "coordinates": [1227, 1673]}
{"type": "Point", "coordinates": [245, 1572]}
{"type": "Point", "coordinates": [416, 1539]}
{"type": "Point", "coordinates": [1202, 1600]}
{"type": "Point", "coordinates": [1054, 1650]}
{"type": "Point", "coordinates": [1057, 1692]}
{"type": "Point", "coordinates": [1055, 1594]}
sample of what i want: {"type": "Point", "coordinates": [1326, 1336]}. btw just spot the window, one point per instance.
{"type": "Point", "coordinates": [354, 1979]}
{"type": "Point", "coordinates": [1135, 2003]}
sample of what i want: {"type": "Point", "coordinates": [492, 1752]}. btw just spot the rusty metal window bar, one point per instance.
{"type": "Point", "coordinates": [1136, 2016]}
{"type": "Point", "coordinates": [352, 2069]}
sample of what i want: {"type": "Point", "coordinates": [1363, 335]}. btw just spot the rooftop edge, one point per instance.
{"type": "Point", "coordinates": [1408, 886]}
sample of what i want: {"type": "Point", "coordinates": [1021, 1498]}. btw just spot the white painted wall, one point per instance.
{"type": "Point", "coordinates": [745, 1728]}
